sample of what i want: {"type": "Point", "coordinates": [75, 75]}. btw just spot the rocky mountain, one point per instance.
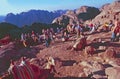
{"type": "Point", "coordinates": [27, 18]}
{"type": "Point", "coordinates": [108, 12]}
{"type": "Point", "coordinates": [84, 13]}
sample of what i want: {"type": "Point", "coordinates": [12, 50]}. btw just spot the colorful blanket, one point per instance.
{"type": "Point", "coordinates": [29, 71]}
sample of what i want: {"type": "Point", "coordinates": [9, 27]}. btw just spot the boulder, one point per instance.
{"type": "Point", "coordinates": [80, 43]}
{"type": "Point", "coordinates": [89, 50]}
{"type": "Point", "coordinates": [99, 77]}
{"type": "Point", "coordinates": [108, 12]}
{"type": "Point", "coordinates": [113, 72]}
{"type": "Point", "coordinates": [82, 74]}
{"type": "Point", "coordinates": [110, 53]}
{"type": "Point", "coordinates": [87, 71]}
{"type": "Point", "coordinates": [97, 67]}
{"type": "Point", "coordinates": [85, 64]}
{"type": "Point", "coordinates": [113, 63]}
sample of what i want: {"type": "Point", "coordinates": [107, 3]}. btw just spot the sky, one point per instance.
{"type": "Point", "coordinates": [17, 6]}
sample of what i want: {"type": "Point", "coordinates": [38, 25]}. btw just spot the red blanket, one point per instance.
{"type": "Point", "coordinates": [29, 71]}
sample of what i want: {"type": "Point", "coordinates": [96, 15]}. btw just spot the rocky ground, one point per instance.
{"type": "Point", "coordinates": [70, 64]}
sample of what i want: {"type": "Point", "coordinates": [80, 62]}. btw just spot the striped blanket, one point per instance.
{"type": "Point", "coordinates": [23, 71]}
{"type": "Point", "coordinates": [28, 71]}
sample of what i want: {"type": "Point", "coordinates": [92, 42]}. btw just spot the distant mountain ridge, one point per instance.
{"type": "Point", "coordinates": [28, 18]}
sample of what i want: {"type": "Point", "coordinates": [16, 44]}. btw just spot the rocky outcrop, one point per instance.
{"type": "Point", "coordinates": [110, 53]}
{"type": "Point", "coordinates": [71, 16]}
{"type": "Point", "coordinates": [89, 50]}
{"type": "Point", "coordinates": [108, 12]}
{"type": "Point", "coordinates": [86, 13]}
{"type": "Point", "coordinates": [113, 72]}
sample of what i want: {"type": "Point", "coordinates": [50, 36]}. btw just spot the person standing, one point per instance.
{"type": "Point", "coordinates": [116, 30]}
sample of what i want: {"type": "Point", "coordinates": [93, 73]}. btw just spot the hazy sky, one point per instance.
{"type": "Point", "coordinates": [17, 6]}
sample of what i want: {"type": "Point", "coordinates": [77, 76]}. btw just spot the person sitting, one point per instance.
{"type": "Point", "coordinates": [24, 39]}
{"type": "Point", "coordinates": [69, 28]}
{"type": "Point", "coordinates": [58, 30]}
{"type": "Point", "coordinates": [92, 29]}
{"type": "Point", "coordinates": [90, 26]}
{"type": "Point", "coordinates": [50, 65]}
{"type": "Point", "coordinates": [106, 27]}
{"type": "Point", "coordinates": [65, 35]}
{"type": "Point", "coordinates": [110, 25]}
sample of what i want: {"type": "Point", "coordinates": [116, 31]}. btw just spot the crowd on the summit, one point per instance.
{"type": "Point", "coordinates": [78, 28]}
{"type": "Point", "coordinates": [34, 38]}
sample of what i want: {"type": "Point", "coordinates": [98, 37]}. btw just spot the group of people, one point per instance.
{"type": "Point", "coordinates": [75, 28]}
{"type": "Point", "coordinates": [47, 36]}
{"type": "Point", "coordinates": [91, 28]}
{"type": "Point", "coordinates": [114, 27]}
{"type": "Point", "coordinates": [29, 39]}
{"type": "Point", "coordinates": [97, 27]}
